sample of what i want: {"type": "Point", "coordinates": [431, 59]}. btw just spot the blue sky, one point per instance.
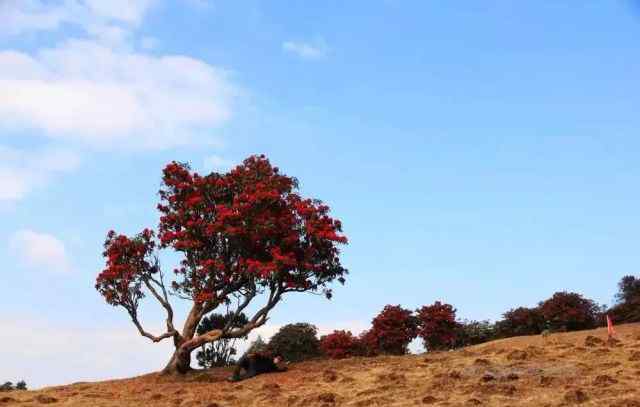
{"type": "Point", "coordinates": [484, 155]}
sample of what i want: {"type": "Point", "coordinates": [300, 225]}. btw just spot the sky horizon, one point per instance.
{"type": "Point", "coordinates": [485, 155]}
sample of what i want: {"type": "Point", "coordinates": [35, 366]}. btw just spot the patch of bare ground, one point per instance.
{"type": "Point", "coordinates": [576, 368]}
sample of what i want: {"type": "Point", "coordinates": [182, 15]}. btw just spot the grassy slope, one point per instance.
{"type": "Point", "coordinates": [562, 369]}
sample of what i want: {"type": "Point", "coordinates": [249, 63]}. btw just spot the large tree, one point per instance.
{"type": "Point", "coordinates": [245, 236]}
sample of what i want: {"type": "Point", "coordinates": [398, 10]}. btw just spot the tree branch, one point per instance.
{"type": "Point", "coordinates": [163, 301]}
{"type": "Point", "coordinates": [146, 334]}
{"type": "Point", "coordinates": [247, 300]}
{"type": "Point", "coordinates": [258, 320]}
{"type": "Point", "coordinates": [275, 294]}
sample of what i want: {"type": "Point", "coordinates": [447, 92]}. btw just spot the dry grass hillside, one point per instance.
{"type": "Point", "coordinates": [559, 370]}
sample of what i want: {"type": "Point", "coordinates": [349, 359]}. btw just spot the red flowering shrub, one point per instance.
{"type": "Point", "coordinates": [340, 344]}
{"type": "Point", "coordinates": [566, 311]}
{"type": "Point", "coordinates": [521, 321]}
{"type": "Point", "coordinates": [241, 234]}
{"type": "Point", "coordinates": [391, 331]}
{"type": "Point", "coordinates": [368, 343]}
{"type": "Point", "coordinates": [438, 326]}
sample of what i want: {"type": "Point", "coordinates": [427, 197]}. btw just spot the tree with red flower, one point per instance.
{"type": "Point", "coordinates": [438, 326]}
{"type": "Point", "coordinates": [244, 236]}
{"type": "Point", "coordinates": [391, 331]}
{"type": "Point", "coordinates": [340, 345]}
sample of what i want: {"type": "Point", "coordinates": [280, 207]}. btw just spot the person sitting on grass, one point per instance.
{"type": "Point", "coordinates": [257, 363]}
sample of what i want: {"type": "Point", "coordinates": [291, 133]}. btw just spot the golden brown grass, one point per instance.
{"type": "Point", "coordinates": [577, 368]}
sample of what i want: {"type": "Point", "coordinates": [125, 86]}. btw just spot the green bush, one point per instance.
{"type": "Point", "coordinates": [627, 307]}
{"type": "Point", "coordinates": [474, 332]}
{"type": "Point", "coordinates": [520, 321]}
{"type": "Point", "coordinates": [257, 346]}
{"type": "Point", "coordinates": [8, 386]}
{"type": "Point", "coordinates": [296, 342]}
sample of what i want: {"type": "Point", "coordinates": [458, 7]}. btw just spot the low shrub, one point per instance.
{"type": "Point", "coordinates": [391, 331]}
{"type": "Point", "coordinates": [340, 344]}
{"type": "Point", "coordinates": [437, 326]}
{"type": "Point", "coordinates": [8, 386]}
{"type": "Point", "coordinates": [296, 342]}
{"type": "Point", "coordinates": [257, 346]}
{"type": "Point", "coordinates": [520, 321]}
{"type": "Point", "coordinates": [566, 311]}
{"type": "Point", "coordinates": [474, 332]}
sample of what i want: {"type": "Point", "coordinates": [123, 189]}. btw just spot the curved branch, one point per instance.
{"type": "Point", "coordinates": [259, 319]}
{"type": "Point", "coordinates": [247, 300]}
{"type": "Point", "coordinates": [200, 340]}
{"type": "Point", "coordinates": [274, 297]}
{"type": "Point", "coordinates": [163, 301]}
{"type": "Point", "coordinates": [154, 338]}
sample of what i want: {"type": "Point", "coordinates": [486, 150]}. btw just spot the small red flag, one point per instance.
{"type": "Point", "coordinates": [610, 329]}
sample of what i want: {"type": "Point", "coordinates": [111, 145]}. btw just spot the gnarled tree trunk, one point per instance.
{"type": "Point", "coordinates": [180, 362]}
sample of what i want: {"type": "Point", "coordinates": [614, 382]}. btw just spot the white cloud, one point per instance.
{"type": "Point", "coordinates": [307, 50]}
{"type": "Point", "coordinates": [217, 163]}
{"type": "Point", "coordinates": [85, 91]}
{"type": "Point", "coordinates": [148, 43]}
{"type": "Point", "coordinates": [21, 171]}
{"type": "Point", "coordinates": [63, 353]}
{"type": "Point", "coordinates": [40, 251]}
{"type": "Point", "coordinates": [20, 16]}
{"type": "Point", "coordinates": [98, 89]}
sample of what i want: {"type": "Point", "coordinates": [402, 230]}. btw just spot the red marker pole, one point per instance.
{"type": "Point", "coordinates": [610, 329]}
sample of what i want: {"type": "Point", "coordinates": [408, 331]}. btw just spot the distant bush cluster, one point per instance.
{"type": "Point", "coordinates": [563, 312]}
{"type": "Point", "coordinates": [439, 328]}
{"type": "Point", "coordinates": [436, 325]}
{"type": "Point", "coordinates": [8, 386]}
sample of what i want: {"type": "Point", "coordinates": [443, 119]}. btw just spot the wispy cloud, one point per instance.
{"type": "Point", "coordinates": [23, 171]}
{"type": "Point", "coordinates": [21, 16]}
{"type": "Point", "coordinates": [306, 50]}
{"type": "Point", "coordinates": [88, 92]}
{"type": "Point", "coordinates": [40, 251]}
{"type": "Point", "coordinates": [66, 352]}
{"type": "Point", "coordinates": [217, 163]}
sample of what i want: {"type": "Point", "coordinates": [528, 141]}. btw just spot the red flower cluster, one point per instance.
{"type": "Point", "coordinates": [340, 345]}
{"type": "Point", "coordinates": [438, 326]}
{"type": "Point", "coordinates": [246, 224]}
{"type": "Point", "coordinates": [392, 330]}
{"type": "Point", "coordinates": [127, 263]}
{"type": "Point", "coordinates": [245, 227]}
